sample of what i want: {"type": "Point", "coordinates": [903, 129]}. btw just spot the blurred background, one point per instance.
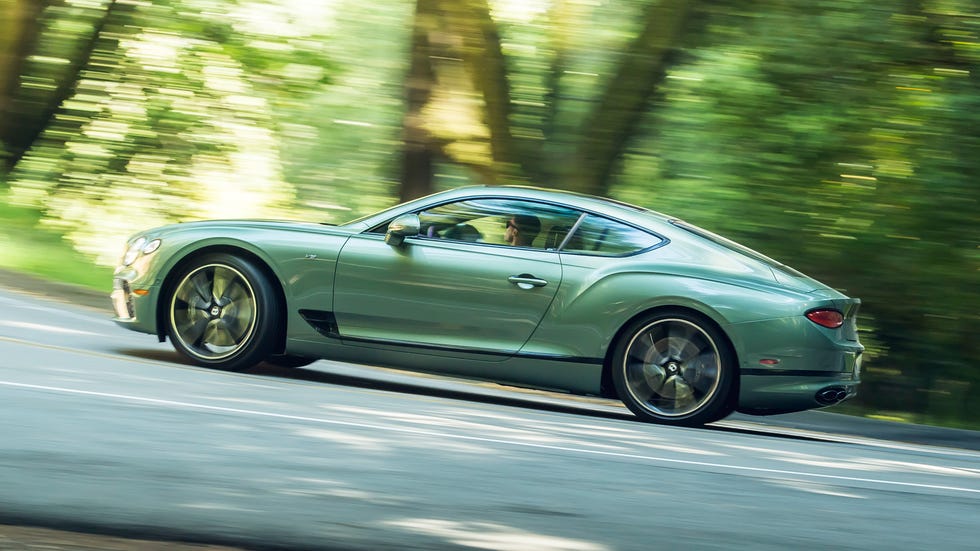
{"type": "Point", "coordinates": [841, 137]}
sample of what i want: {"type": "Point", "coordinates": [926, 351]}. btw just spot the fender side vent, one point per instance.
{"type": "Point", "coordinates": [324, 322]}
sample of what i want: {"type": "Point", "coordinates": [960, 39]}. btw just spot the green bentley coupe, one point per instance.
{"type": "Point", "coordinates": [518, 285]}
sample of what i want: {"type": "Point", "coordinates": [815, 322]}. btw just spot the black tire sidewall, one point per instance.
{"type": "Point", "coordinates": [717, 407]}
{"type": "Point", "coordinates": [260, 343]}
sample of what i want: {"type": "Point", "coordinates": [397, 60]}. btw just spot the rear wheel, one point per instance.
{"type": "Point", "coordinates": [674, 368]}
{"type": "Point", "coordinates": [222, 313]}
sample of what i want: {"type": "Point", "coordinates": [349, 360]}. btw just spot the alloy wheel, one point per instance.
{"type": "Point", "coordinates": [672, 367]}
{"type": "Point", "coordinates": [213, 312]}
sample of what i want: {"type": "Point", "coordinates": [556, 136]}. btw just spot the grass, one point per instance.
{"type": "Point", "coordinates": [27, 247]}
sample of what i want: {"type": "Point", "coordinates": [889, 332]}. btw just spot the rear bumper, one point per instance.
{"type": "Point", "coordinates": [791, 364]}
{"type": "Point", "coordinates": [772, 394]}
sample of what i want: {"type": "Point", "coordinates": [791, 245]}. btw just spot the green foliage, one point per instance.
{"type": "Point", "coordinates": [172, 120]}
{"type": "Point", "coordinates": [339, 143]}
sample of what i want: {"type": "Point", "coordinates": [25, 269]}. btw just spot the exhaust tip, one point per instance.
{"type": "Point", "coordinates": [831, 395]}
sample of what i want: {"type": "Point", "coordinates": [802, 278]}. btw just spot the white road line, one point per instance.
{"type": "Point", "coordinates": [530, 395]}
{"type": "Point", "coordinates": [42, 327]}
{"type": "Point", "coordinates": [408, 430]}
{"type": "Point", "coordinates": [66, 312]}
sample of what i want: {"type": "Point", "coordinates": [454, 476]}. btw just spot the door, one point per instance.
{"type": "Point", "coordinates": [459, 285]}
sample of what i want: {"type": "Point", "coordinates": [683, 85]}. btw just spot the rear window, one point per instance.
{"type": "Point", "coordinates": [736, 247]}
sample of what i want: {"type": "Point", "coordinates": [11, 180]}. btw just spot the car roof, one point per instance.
{"type": "Point", "coordinates": [581, 201]}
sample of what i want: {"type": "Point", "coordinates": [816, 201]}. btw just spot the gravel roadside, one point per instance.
{"type": "Point", "coordinates": [24, 538]}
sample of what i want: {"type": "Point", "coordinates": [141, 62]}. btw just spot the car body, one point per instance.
{"type": "Point", "coordinates": [604, 298]}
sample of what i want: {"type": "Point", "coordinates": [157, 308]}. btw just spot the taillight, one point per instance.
{"type": "Point", "coordinates": [831, 319]}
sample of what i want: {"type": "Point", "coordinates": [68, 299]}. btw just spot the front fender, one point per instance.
{"type": "Point", "coordinates": [302, 261]}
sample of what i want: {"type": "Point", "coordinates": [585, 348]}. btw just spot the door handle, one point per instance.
{"type": "Point", "coordinates": [527, 281]}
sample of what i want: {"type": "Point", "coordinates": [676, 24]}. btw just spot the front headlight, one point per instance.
{"type": "Point", "coordinates": [151, 246]}
{"type": "Point", "coordinates": [139, 246]}
{"type": "Point", "coordinates": [133, 252]}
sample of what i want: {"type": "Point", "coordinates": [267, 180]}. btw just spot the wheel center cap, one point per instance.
{"type": "Point", "coordinates": [673, 367]}
{"type": "Point", "coordinates": [215, 310]}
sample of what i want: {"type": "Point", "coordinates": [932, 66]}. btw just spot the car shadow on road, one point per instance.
{"type": "Point", "coordinates": [374, 379]}
{"type": "Point", "coordinates": [436, 386]}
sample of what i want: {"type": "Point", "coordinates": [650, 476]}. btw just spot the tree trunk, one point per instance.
{"type": "Point", "coordinates": [487, 65]}
{"type": "Point", "coordinates": [28, 114]}
{"type": "Point", "coordinates": [613, 121]}
{"type": "Point", "coordinates": [418, 147]}
{"type": "Point", "coordinates": [19, 29]}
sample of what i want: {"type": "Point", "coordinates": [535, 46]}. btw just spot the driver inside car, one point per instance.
{"type": "Point", "coordinates": [521, 230]}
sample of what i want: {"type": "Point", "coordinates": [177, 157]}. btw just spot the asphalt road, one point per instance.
{"type": "Point", "coordinates": [106, 432]}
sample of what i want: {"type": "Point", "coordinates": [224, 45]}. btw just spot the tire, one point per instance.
{"type": "Point", "coordinates": [675, 368]}
{"type": "Point", "coordinates": [222, 313]}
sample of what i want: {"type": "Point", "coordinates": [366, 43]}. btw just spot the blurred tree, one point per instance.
{"type": "Point", "coordinates": [37, 75]}
{"type": "Point", "coordinates": [18, 30]}
{"type": "Point", "coordinates": [171, 117]}
{"type": "Point", "coordinates": [418, 145]}
{"type": "Point", "coordinates": [461, 106]}
{"type": "Point", "coordinates": [613, 122]}
{"type": "Point", "coordinates": [924, 238]}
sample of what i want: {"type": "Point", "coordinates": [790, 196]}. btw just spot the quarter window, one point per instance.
{"type": "Point", "coordinates": [604, 237]}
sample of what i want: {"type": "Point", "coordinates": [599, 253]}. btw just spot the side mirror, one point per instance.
{"type": "Point", "coordinates": [406, 225]}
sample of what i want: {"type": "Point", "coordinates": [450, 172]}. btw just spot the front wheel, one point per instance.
{"type": "Point", "coordinates": [674, 368]}
{"type": "Point", "coordinates": [222, 313]}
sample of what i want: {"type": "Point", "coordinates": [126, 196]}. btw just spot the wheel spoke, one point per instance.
{"type": "Point", "coordinates": [208, 337]}
{"type": "Point", "coordinates": [184, 303]}
{"type": "Point", "coordinates": [236, 292]}
{"type": "Point", "coordinates": [649, 349]}
{"type": "Point", "coordinates": [193, 331]}
{"type": "Point", "coordinates": [654, 377]}
{"type": "Point", "coordinates": [639, 353]}
{"type": "Point", "coordinates": [241, 310]}
{"type": "Point", "coordinates": [701, 372]}
{"type": "Point", "coordinates": [678, 340]}
{"type": "Point", "coordinates": [223, 278]}
{"type": "Point", "coordinates": [203, 283]}
{"type": "Point", "coordinates": [190, 296]}
{"type": "Point", "coordinates": [238, 324]}
{"type": "Point", "coordinates": [680, 393]}
{"type": "Point", "coordinates": [218, 334]}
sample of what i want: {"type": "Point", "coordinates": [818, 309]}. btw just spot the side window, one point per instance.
{"type": "Point", "coordinates": [604, 237]}
{"type": "Point", "coordinates": [499, 222]}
